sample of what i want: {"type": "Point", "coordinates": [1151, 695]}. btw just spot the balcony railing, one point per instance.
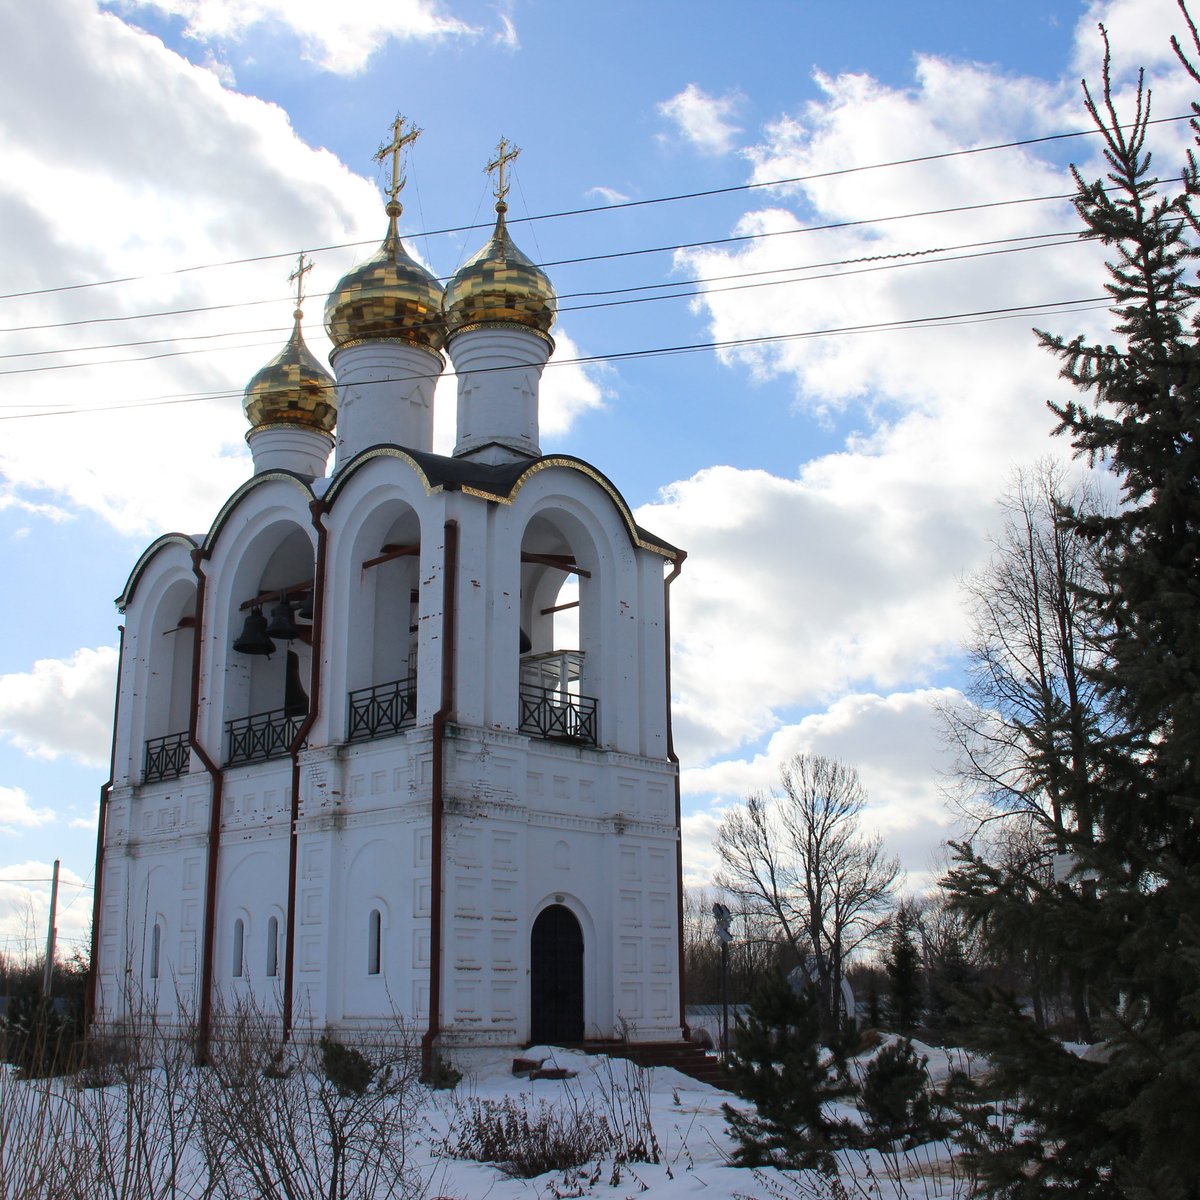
{"type": "Point", "coordinates": [166, 757]}
{"type": "Point", "coordinates": [382, 709]}
{"type": "Point", "coordinates": [263, 735]}
{"type": "Point", "coordinates": [560, 716]}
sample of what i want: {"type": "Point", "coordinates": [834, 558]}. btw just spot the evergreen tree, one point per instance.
{"type": "Point", "coordinates": [1122, 1121]}
{"type": "Point", "coordinates": [895, 1101]}
{"type": "Point", "coordinates": [778, 1064]}
{"type": "Point", "coordinates": [904, 973]}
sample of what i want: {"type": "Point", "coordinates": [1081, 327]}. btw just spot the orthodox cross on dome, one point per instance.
{"type": "Point", "coordinates": [505, 153]}
{"type": "Point", "coordinates": [303, 266]}
{"type": "Point", "coordinates": [400, 139]}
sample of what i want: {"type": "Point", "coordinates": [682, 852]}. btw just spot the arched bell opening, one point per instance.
{"type": "Point", "coordinates": [383, 627]}
{"type": "Point", "coordinates": [168, 685]}
{"type": "Point", "coordinates": [269, 659]}
{"type": "Point", "coordinates": [560, 642]}
{"type": "Point", "coordinates": [556, 977]}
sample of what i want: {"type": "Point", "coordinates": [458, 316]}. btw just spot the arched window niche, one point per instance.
{"type": "Point", "coordinates": [560, 637]}
{"type": "Point", "coordinates": [374, 942]}
{"type": "Point", "coordinates": [382, 631]}
{"type": "Point", "coordinates": [267, 694]}
{"type": "Point", "coordinates": [272, 963]}
{"type": "Point", "coordinates": [237, 966]}
{"type": "Point", "coordinates": [155, 964]}
{"type": "Point", "coordinates": [167, 655]}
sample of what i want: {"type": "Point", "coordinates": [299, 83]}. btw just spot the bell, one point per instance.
{"type": "Point", "coordinates": [282, 625]}
{"type": "Point", "coordinates": [526, 644]}
{"type": "Point", "coordinates": [255, 639]}
{"type": "Point", "coordinates": [305, 611]}
{"type": "Point", "coordinates": [295, 698]}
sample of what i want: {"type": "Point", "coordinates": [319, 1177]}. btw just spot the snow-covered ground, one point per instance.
{"type": "Point", "coordinates": [688, 1123]}
{"type": "Point", "coordinates": [660, 1113]}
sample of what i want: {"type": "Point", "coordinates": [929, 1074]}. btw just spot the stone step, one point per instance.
{"type": "Point", "coordinates": [680, 1056]}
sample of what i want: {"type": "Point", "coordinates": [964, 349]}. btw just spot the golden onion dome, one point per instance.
{"type": "Point", "coordinates": [500, 285]}
{"type": "Point", "coordinates": [390, 296]}
{"type": "Point", "coordinates": [293, 389]}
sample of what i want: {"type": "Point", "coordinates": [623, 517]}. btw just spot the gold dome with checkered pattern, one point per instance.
{"type": "Point", "coordinates": [390, 297]}
{"type": "Point", "coordinates": [292, 389]}
{"type": "Point", "coordinates": [500, 285]}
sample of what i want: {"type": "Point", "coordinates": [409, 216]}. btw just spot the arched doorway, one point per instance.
{"type": "Point", "coordinates": [556, 977]}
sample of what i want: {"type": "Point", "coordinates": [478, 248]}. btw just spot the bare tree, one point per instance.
{"type": "Point", "coordinates": [800, 855]}
{"type": "Point", "coordinates": [1027, 741]}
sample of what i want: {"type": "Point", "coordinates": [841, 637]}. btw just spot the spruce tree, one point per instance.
{"type": "Point", "coordinates": [904, 973]}
{"type": "Point", "coordinates": [778, 1064]}
{"type": "Point", "coordinates": [1122, 1121]}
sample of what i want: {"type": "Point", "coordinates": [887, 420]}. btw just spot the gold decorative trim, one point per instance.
{"type": "Point", "coordinates": [577, 464]}
{"type": "Point", "coordinates": [388, 341]}
{"type": "Point", "coordinates": [500, 325]}
{"type": "Point", "coordinates": [257, 481]}
{"type": "Point", "coordinates": [343, 477]}
{"type": "Point", "coordinates": [291, 425]}
{"type": "Point", "coordinates": [135, 576]}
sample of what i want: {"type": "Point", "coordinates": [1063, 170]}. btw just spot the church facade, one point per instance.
{"type": "Point", "coordinates": [392, 738]}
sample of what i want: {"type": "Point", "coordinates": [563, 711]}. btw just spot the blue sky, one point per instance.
{"type": "Point", "coordinates": [831, 490]}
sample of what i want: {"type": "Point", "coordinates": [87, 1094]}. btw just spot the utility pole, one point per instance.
{"type": "Point", "coordinates": [722, 917]}
{"type": "Point", "coordinates": [48, 973]}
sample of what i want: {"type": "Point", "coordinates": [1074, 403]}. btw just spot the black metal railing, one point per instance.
{"type": "Point", "coordinates": [263, 735]}
{"type": "Point", "coordinates": [166, 757]}
{"type": "Point", "coordinates": [382, 709]}
{"type": "Point", "coordinates": [560, 716]}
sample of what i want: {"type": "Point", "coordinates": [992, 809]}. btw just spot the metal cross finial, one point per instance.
{"type": "Point", "coordinates": [303, 266]}
{"type": "Point", "coordinates": [504, 155]}
{"type": "Point", "coordinates": [400, 139]}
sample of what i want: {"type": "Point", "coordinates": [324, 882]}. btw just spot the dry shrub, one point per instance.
{"type": "Point", "coordinates": [526, 1140]}
{"type": "Point", "coordinates": [304, 1120]}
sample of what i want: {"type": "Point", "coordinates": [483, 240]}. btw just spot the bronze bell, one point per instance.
{"type": "Point", "coordinates": [525, 644]}
{"type": "Point", "coordinates": [255, 639]}
{"type": "Point", "coordinates": [283, 626]}
{"type": "Point", "coordinates": [305, 611]}
{"type": "Point", "coordinates": [295, 698]}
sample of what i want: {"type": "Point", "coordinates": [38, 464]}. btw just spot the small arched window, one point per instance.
{"type": "Point", "coordinates": [239, 939]}
{"type": "Point", "coordinates": [273, 948]}
{"type": "Point", "coordinates": [155, 949]}
{"type": "Point", "coordinates": [374, 938]}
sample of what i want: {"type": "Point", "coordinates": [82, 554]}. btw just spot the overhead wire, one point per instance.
{"type": "Point", "coordinates": [575, 212]}
{"type": "Point", "coordinates": [670, 248]}
{"type": "Point", "coordinates": [701, 286]}
{"type": "Point", "coordinates": [905, 323]}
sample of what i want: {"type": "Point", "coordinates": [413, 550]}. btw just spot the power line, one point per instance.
{"type": "Point", "coordinates": [36, 879]}
{"type": "Point", "coordinates": [701, 286]}
{"type": "Point", "coordinates": [672, 248]}
{"type": "Point", "coordinates": [575, 212]}
{"type": "Point", "coordinates": [899, 325]}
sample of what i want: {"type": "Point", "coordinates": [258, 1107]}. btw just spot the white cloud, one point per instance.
{"type": "Point", "coordinates": [338, 37]}
{"type": "Point", "coordinates": [893, 741]}
{"type": "Point", "coordinates": [25, 908]}
{"type": "Point", "coordinates": [834, 590]}
{"type": "Point", "coordinates": [16, 812]}
{"type": "Point", "coordinates": [507, 35]}
{"type": "Point", "coordinates": [567, 392]}
{"type": "Point", "coordinates": [1139, 32]}
{"type": "Point", "coordinates": [62, 707]}
{"type": "Point", "coordinates": [607, 194]}
{"type": "Point", "coordinates": [845, 575]}
{"type": "Point", "coordinates": [797, 589]}
{"type": "Point", "coordinates": [704, 120]}
{"type": "Point", "coordinates": [221, 69]}
{"type": "Point", "coordinates": [212, 176]}
{"type": "Point", "coordinates": [49, 512]}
